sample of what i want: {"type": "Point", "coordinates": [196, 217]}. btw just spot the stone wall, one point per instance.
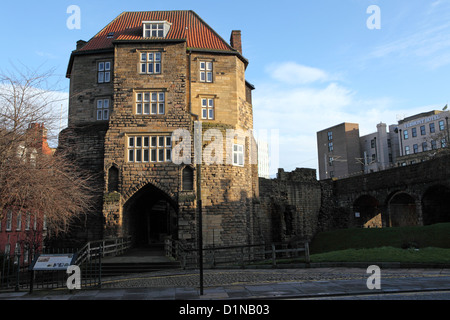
{"type": "Point", "coordinates": [289, 206]}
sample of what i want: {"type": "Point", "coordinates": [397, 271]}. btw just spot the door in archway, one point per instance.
{"type": "Point", "coordinates": [402, 211]}
{"type": "Point", "coordinates": [435, 207]}
{"type": "Point", "coordinates": [150, 216]}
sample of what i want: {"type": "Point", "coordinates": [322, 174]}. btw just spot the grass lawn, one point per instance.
{"type": "Point", "coordinates": [385, 254]}
{"type": "Point", "coordinates": [437, 236]}
{"type": "Point", "coordinates": [424, 244]}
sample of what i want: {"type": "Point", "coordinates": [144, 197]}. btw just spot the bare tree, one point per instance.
{"type": "Point", "coordinates": [33, 178]}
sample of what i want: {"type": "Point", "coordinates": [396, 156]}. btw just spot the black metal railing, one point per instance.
{"type": "Point", "coordinates": [16, 274]}
{"type": "Point", "coordinates": [239, 255]}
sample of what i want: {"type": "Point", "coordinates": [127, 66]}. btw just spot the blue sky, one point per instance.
{"type": "Point", "coordinates": [314, 63]}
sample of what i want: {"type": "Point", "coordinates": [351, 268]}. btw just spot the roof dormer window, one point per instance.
{"type": "Point", "coordinates": [155, 29]}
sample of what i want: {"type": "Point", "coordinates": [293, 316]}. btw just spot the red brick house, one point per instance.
{"type": "Point", "coordinates": [22, 231]}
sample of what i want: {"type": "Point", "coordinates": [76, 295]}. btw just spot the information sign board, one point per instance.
{"type": "Point", "coordinates": [53, 262]}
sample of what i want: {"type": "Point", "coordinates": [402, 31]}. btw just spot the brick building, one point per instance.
{"type": "Point", "coordinates": [141, 79]}
{"type": "Point", "coordinates": [21, 230]}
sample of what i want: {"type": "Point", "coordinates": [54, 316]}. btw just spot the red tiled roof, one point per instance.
{"type": "Point", "coordinates": [186, 25]}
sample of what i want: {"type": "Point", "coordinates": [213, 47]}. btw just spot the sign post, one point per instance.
{"type": "Point", "coordinates": [51, 262]}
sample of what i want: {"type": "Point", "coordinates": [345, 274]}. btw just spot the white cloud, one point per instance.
{"type": "Point", "coordinates": [295, 74]}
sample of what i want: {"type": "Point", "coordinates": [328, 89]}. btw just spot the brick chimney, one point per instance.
{"type": "Point", "coordinates": [235, 40]}
{"type": "Point", "coordinates": [39, 134]}
{"type": "Point", "coordinates": [80, 44]}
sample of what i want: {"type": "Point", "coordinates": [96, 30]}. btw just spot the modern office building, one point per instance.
{"type": "Point", "coordinates": [342, 152]}
{"type": "Point", "coordinates": [263, 159]}
{"type": "Point", "coordinates": [421, 136]}
{"type": "Point", "coordinates": [339, 151]}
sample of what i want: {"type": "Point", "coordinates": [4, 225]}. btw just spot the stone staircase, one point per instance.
{"type": "Point", "coordinates": [138, 260]}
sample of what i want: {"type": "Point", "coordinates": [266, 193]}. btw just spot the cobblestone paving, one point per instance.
{"type": "Point", "coordinates": [215, 278]}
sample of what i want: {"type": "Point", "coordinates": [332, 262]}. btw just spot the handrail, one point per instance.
{"type": "Point", "coordinates": [104, 247]}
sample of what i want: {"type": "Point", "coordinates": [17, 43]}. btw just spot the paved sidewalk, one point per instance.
{"type": "Point", "coordinates": [248, 284]}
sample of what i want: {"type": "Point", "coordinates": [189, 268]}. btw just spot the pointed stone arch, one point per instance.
{"type": "Point", "coordinates": [113, 178]}
{"type": "Point", "coordinates": [149, 215]}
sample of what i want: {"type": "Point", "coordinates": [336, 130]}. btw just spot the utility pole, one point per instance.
{"type": "Point", "coordinates": [199, 159]}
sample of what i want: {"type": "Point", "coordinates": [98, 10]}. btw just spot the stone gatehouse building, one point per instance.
{"type": "Point", "coordinates": [132, 86]}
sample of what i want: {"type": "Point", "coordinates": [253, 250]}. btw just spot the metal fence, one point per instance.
{"type": "Point", "coordinates": [15, 271]}
{"type": "Point", "coordinates": [16, 274]}
{"type": "Point", "coordinates": [238, 255]}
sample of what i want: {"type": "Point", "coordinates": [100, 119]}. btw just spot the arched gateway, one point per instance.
{"type": "Point", "coordinates": [149, 216]}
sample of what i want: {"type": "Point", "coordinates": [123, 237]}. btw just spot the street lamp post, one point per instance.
{"type": "Point", "coordinates": [199, 159]}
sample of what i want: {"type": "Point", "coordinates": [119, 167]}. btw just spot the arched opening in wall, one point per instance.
{"type": "Point", "coordinates": [187, 177]}
{"type": "Point", "coordinates": [113, 179]}
{"type": "Point", "coordinates": [367, 213]}
{"type": "Point", "coordinates": [402, 210]}
{"type": "Point", "coordinates": [435, 205]}
{"type": "Point", "coordinates": [149, 216]}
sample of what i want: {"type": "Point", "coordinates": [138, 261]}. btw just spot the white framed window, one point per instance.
{"type": "Point", "coordinates": [150, 148]}
{"type": "Point", "coordinates": [207, 108]}
{"type": "Point", "coordinates": [150, 103]}
{"type": "Point", "coordinates": [27, 221]}
{"type": "Point", "coordinates": [104, 71]}
{"type": "Point", "coordinates": [155, 29]}
{"type": "Point", "coordinates": [238, 155]}
{"type": "Point", "coordinates": [9, 220]}
{"type": "Point", "coordinates": [206, 71]}
{"type": "Point", "coordinates": [19, 222]}
{"type": "Point", "coordinates": [150, 62]}
{"type": "Point", "coordinates": [103, 109]}
{"type": "Point", "coordinates": [407, 151]}
{"type": "Point", "coordinates": [26, 255]}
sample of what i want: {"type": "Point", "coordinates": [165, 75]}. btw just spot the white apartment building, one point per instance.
{"type": "Point", "coordinates": [413, 139]}
{"type": "Point", "coordinates": [421, 136]}
{"type": "Point", "coordinates": [263, 159]}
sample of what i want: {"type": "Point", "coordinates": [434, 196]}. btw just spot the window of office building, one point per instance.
{"type": "Point", "coordinates": [433, 145]}
{"type": "Point", "coordinates": [422, 130]}
{"type": "Point", "coordinates": [432, 127]}
{"type": "Point", "coordinates": [330, 146]}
